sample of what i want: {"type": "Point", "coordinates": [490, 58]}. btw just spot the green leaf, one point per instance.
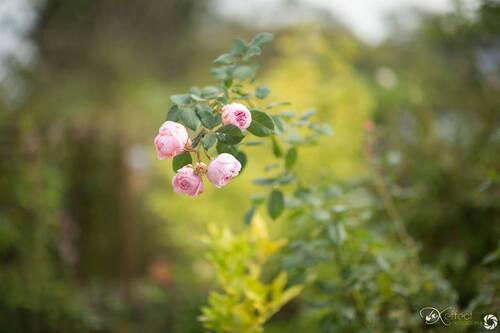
{"type": "Point", "coordinates": [285, 178]}
{"type": "Point", "coordinates": [278, 285]}
{"type": "Point", "coordinates": [278, 122]}
{"type": "Point", "coordinates": [195, 91]}
{"type": "Point", "coordinates": [251, 52]}
{"type": "Point", "coordinates": [241, 93]}
{"type": "Point", "coordinates": [287, 295]}
{"type": "Point", "coordinates": [229, 134]}
{"type": "Point", "coordinates": [262, 38]}
{"type": "Point", "coordinates": [287, 114]}
{"type": "Point", "coordinates": [275, 204]}
{"type": "Point", "coordinates": [224, 59]}
{"type": "Point", "coordinates": [220, 73]}
{"type": "Point", "coordinates": [321, 215]}
{"type": "Point", "coordinates": [249, 215]}
{"type": "Point", "coordinates": [181, 160]}
{"type": "Point", "coordinates": [336, 233]}
{"type": "Point", "coordinates": [239, 47]}
{"type": "Point", "coordinates": [306, 115]}
{"type": "Point", "coordinates": [223, 99]}
{"type": "Point", "coordinates": [197, 140]}
{"type": "Point", "coordinates": [207, 117]}
{"type": "Point", "coordinates": [276, 148]}
{"type": "Point", "coordinates": [209, 92]}
{"type": "Point", "coordinates": [271, 166]}
{"type": "Point", "coordinates": [321, 128]}
{"type": "Point", "coordinates": [242, 158]}
{"type": "Point", "coordinates": [197, 98]}
{"type": "Point", "coordinates": [290, 158]}
{"type": "Point", "coordinates": [244, 72]}
{"type": "Point", "coordinates": [262, 124]}
{"type": "Point", "coordinates": [257, 199]}
{"type": "Point", "coordinates": [218, 119]}
{"type": "Point", "coordinates": [182, 99]}
{"type": "Point", "coordinates": [190, 118]}
{"type": "Point", "coordinates": [261, 92]}
{"type": "Point", "coordinates": [254, 143]}
{"type": "Point", "coordinates": [223, 148]}
{"type": "Point", "coordinates": [382, 263]}
{"type": "Point", "coordinates": [174, 113]}
{"type": "Point", "coordinates": [491, 257]}
{"type": "Point", "coordinates": [228, 82]}
{"type": "Point", "coordinates": [264, 181]}
{"type": "Point", "coordinates": [209, 140]}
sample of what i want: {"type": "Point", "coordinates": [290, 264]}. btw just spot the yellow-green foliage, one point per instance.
{"type": "Point", "coordinates": [245, 302]}
{"type": "Point", "coordinates": [314, 72]}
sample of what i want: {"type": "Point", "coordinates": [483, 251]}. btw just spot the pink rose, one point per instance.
{"type": "Point", "coordinates": [222, 169]}
{"type": "Point", "coordinates": [186, 181]}
{"type": "Point", "coordinates": [171, 140]}
{"type": "Point", "coordinates": [237, 115]}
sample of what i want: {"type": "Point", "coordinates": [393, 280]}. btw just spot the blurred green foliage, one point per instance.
{"type": "Point", "coordinates": [92, 239]}
{"type": "Point", "coordinates": [439, 142]}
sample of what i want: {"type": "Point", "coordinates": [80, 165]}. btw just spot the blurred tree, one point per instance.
{"type": "Point", "coordinates": [78, 244]}
{"type": "Point", "coordinates": [110, 38]}
{"type": "Point", "coordinates": [438, 100]}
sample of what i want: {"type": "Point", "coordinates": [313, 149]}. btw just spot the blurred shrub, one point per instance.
{"type": "Point", "coordinates": [437, 112]}
{"type": "Point", "coordinates": [359, 275]}
{"type": "Point", "coordinates": [245, 303]}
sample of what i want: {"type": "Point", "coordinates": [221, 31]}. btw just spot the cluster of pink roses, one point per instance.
{"type": "Point", "coordinates": [173, 140]}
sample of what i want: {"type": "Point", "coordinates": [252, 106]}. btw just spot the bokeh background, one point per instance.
{"type": "Point", "coordinates": [92, 237]}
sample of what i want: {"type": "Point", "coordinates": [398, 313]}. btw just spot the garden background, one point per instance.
{"type": "Point", "coordinates": [93, 238]}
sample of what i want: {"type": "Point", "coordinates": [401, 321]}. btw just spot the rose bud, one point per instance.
{"type": "Point", "coordinates": [237, 115]}
{"type": "Point", "coordinates": [222, 168]}
{"type": "Point", "coordinates": [186, 181]}
{"type": "Point", "coordinates": [171, 140]}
